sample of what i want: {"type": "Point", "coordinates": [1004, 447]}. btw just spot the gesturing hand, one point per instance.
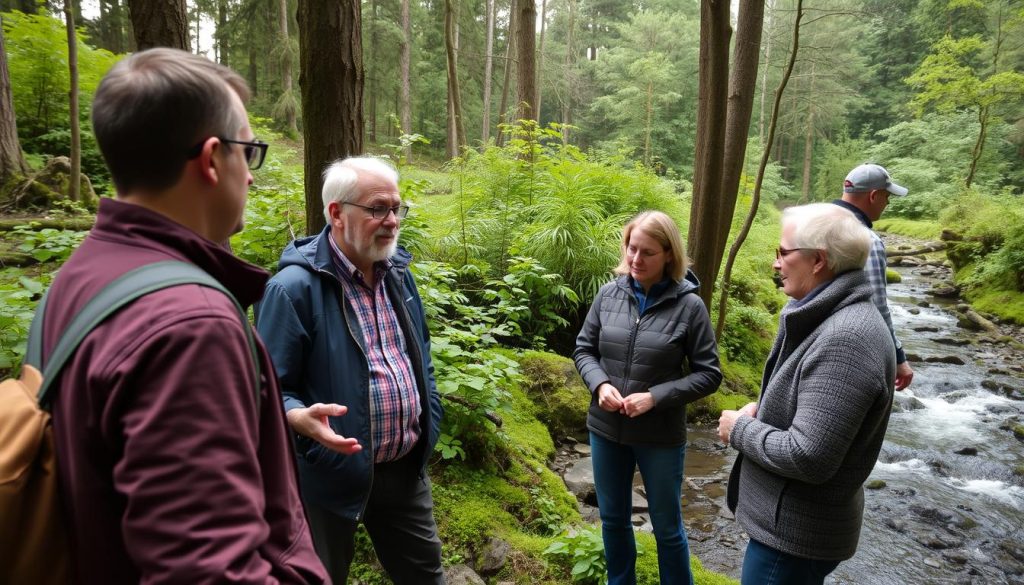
{"type": "Point", "coordinates": [312, 422]}
{"type": "Point", "coordinates": [636, 404]}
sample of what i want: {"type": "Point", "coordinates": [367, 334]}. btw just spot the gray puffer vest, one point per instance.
{"type": "Point", "coordinates": [669, 351]}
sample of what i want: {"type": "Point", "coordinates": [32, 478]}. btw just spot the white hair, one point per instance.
{"type": "Point", "coordinates": [341, 177]}
{"type": "Point", "coordinates": [829, 227]}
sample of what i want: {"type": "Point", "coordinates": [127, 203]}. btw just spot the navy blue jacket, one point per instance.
{"type": "Point", "coordinates": [317, 346]}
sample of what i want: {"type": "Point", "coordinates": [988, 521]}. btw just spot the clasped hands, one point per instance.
{"type": "Point", "coordinates": [312, 422]}
{"type": "Point", "coordinates": [728, 420]}
{"type": "Point", "coordinates": [608, 398]}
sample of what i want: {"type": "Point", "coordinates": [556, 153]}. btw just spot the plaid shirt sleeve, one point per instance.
{"type": "Point", "coordinates": [875, 269]}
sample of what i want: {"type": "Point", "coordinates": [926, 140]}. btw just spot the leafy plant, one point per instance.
{"type": "Point", "coordinates": [583, 550]}
{"type": "Point", "coordinates": [545, 518]}
{"type": "Point", "coordinates": [18, 302]}
{"type": "Point", "coordinates": [48, 244]}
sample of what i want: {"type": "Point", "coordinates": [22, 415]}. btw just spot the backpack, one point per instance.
{"type": "Point", "coordinates": [33, 542]}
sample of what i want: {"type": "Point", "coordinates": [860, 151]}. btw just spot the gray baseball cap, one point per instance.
{"type": "Point", "coordinates": [871, 177]}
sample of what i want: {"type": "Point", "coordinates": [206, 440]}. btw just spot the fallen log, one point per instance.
{"type": "Point", "coordinates": [19, 259]}
{"type": "Point", "coordinates": [63, 223]}
{"type": "Point", "coordinates": [931, 247]}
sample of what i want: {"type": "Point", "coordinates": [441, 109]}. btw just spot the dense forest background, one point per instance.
{"type": "Point", "coordinates": [523, 149]}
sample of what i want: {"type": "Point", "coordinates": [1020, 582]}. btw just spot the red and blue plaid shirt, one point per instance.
{"type": "Point", "coordinates": [394, 400]}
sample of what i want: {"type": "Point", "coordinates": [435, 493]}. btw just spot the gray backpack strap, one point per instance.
{"type": "Point", "coordinates": [122, 291]}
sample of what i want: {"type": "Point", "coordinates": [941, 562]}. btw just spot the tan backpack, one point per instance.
{"type": "Point", "coordinates": [34, 547]}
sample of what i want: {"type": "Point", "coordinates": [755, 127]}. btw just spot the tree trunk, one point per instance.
{"type": "Point", "coordinates": [374, 72]}
{"type": "Point", "coordinates": [979, 145]}
{"type": "Point", "coordinates": [509, 52]}
{"type": "Point", "coordinates": [74, 180]}
{"type": "Point", "coordinates": [332, 92]}
{"type": "Point", "coordinates": [287, 93]}
{"type": "Point", "coordinates": [526, 52]}
{"type": "Point", "coordinates": [160, 23]}
{"type": "Point", "coordinates": [713, 91]}
{"type": "Point", "coordinates": [12, 161]}
{"type": "Point", "coordinates": [756, 199]}
{"type": "Point", "coordinates": [223, 38]}
{"type": "Point", "coordinates": [805, 183]}
{"type": "Point", "coordinates": [540, 58]}
{"type": "Point", "coordinates": [570, 62]}
{"type": "Point", "coordinates": [456, 131]}
{"type": "Point", "coordinates": [742, 83]}
{"type": "Point", "coordinates": [404, 59]}
{"type": "Point", "coordinates": [485, 123]}
{"type": "Point", "coordinates": [764, 73]}
{"type": "Point", "coordinates": [648, 116]}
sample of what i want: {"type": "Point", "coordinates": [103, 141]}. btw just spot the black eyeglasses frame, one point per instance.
{"type": "Point", "coordinates": [255, 151]}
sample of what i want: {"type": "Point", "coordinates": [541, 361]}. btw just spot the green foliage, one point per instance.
{"type": "Point", "coordinates": [556, 393]}
{"type": "Point", "coordinates": [922, 229]}
{"type": "Point", "coordinates": [48, 244]}
{"type": "Point", "coordinates": [275, 211]}
{"type": "Point", "coordinates": [37, 55]}
{"type": "Point", "coordinates": [581, 549]}
{"type": "Point", "coordinates": [536, 197]}
{"type": "Point", "coordinates": [19, 295]}
{"type": "Point", "coordinates": [991, 258]}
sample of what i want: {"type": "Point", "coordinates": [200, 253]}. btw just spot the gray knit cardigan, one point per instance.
{"type": "Point", "coordinates": [797, 485]}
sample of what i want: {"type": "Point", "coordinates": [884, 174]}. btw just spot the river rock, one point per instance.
{"type": "Point", "coordinates": [970, 319]}
{"type": "Point", "coordinates": [914, 311]}
{"type": "Point", "coordinates": [924, 304]}
{"type": "Point", "coordinates": [1001, 409]}
{"type": "Point", "coordinates": [927, 272]}
{"type": "Point", "coordinates": [954, 397]}
{"type": "Point", "coordinates": [971, 451]}
{"type": "Point", "coordinates": [903, 402]}
{"type": "Point", "coordinates": [957, 341]}
{"type": "Point", "coordinates": [1014, 548]}
{"type": "Point", "coordinates": [875, 484]}
{"type": "Point", "coordinates": [957, 557]}
{"type": "Point", "coordinates": [925, 328]}
{"type": "Point", "coordinates": [462, 575]}
{"type": "Point", "coordinates": [939, 541]}
{"type": "Point", "coordinates": [639, 502]}
{"type": "Point", "coordinates": [579, 479]}
{"type": "Point", "coordinates": [945, 291]}
{"type": "Point", "coordinates": [493, 556]}
{"type": "Point", "coordinates": [581, 449]}
{"type": "Point", "coordinates": [945, 359]}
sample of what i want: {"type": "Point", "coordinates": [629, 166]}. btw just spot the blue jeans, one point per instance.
{"type": "Point", "coordinates": [662, 471]}
{"type": "Point", "coordinates": [763, 565]}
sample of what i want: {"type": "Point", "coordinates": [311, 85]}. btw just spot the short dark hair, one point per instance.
{"type": "Point", "coordinates": [153, 106]}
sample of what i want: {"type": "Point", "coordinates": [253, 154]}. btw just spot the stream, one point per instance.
{"type": "Point", "coordinates": [946, 505]}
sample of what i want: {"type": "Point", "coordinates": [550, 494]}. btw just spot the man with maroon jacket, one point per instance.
{"type": "Point", "coordinates": [174, 461]}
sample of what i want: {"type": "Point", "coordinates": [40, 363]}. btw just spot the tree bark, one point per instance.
{"type": "Point", "coordinates": [12, 161]}
{"type": "Point", "coordinates": [570, 62]}
{"type": "Point", "coordinates": [509, 52]}
{"type": "Point", "coordinates": [74, 180]}
{"type": "Point", "coordinates": [527, 56]}
{"type": "Point", "coordinates": [742, 83]}
{"type": "Point", "coordinates": [332, 92]}
{"type": "Point", "coordinates": [223, 40]}
{"type": "Point", "coordinates": [713, 91]}
{"type": "Point", "coordinates": [485, 123]}
{"type": "Point", "coordinates": [456, 130]}
{"type": "Point", "coordinates": [540, 58]}
{"type": "Point", "coordinates": [756, 199]}
{"type": "Point", "coordinates": [160, 23]}
{"type": "Point", "coordinates": [290, 114]}
{"type": "Point", "coordinates": [374, 73]}
{"type": "Point", "coordinates": [404, 60]}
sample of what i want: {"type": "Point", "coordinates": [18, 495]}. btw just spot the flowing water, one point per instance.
{"type": "Point", "coordinates": [951, 509]}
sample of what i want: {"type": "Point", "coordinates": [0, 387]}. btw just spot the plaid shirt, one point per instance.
{"type": "Point", "coordinates": [394, 402]}
{"type": "Point", "coordinates": [875, 270]}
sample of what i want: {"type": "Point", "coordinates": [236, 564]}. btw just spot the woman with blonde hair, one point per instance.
{"type": "Point", "coordinates": [646, 350]}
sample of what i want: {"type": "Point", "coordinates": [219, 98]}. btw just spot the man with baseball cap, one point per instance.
{"type": "Point", "coordinates": [866, 193]}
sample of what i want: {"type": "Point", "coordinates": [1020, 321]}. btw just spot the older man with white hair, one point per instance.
{"type": "Point", "coordinates": [346, 330]}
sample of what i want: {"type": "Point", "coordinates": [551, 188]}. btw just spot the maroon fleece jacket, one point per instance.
{"type": "Point", "coordinates": [168, 473]}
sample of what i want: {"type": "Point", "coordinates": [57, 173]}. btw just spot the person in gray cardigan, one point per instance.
{"type": "Point", "coordinates": [806, 447]}
{"type": "Point", "coordinates": [646, 350]}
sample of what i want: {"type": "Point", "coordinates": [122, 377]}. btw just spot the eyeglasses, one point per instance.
{"type": "Point", "coordinates": [781, 252]}
{"type": "Point", "coordinates": [255, 151]}
{"type": "Point", "coordinates": [381, 211]}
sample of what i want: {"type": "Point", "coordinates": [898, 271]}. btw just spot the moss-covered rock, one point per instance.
{"type": "Point", "coordinates": [553, 385]}
{"type": "Point", "coordinates": [892, 277]}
